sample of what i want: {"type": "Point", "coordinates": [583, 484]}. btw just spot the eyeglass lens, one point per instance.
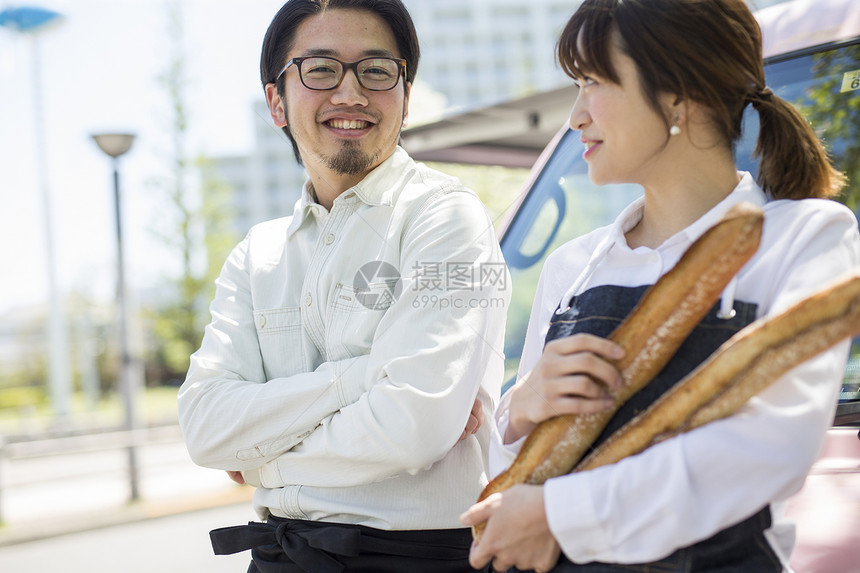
{"type": "Point", "coordinates": [321, 73]}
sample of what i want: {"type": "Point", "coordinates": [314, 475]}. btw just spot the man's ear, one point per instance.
{"type": "Point", "coordinates": [406, 103]}
{"type": "Point", "coordinates": [276, 105]}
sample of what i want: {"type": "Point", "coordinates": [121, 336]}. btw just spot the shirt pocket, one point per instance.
{"type": "Point", "coordinates": [281, 339]}
{"type": "Point", "coordinates": [354, 317]}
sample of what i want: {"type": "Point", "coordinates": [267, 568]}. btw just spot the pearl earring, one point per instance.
{"type": "Point", "coordinates": [674, 130]}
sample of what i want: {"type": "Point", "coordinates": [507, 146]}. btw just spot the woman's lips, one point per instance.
{"type": "Point", "coordinates": [591, 146]}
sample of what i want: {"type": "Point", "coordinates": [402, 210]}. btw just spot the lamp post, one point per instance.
{"type": "Point", "coordinates": [31, 21]}
{"type": "Point", "coordinates": [115, 145]}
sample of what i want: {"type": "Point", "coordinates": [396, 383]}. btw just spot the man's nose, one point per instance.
{"type": "Point", "coordinates": [350, 91]}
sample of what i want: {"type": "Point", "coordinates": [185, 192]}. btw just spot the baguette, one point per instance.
{"type": "Point", "coordinates": [650, 336]}
{"type": "Point", "coordinates": [741, 368]}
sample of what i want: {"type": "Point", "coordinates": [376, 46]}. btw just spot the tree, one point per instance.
{"type": "Point", "coordinates": [833, 109]}
{"type": "Point", "coordinates": [194, 228]}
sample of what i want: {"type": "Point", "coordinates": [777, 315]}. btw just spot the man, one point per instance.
{"type": "Point", "coordinates": [356, 346]}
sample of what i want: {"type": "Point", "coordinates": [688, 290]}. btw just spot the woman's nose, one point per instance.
{"type": "Point", "coordinates": [579, 117]}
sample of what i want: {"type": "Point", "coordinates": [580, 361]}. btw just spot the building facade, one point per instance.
{"type": "Point", "coordinates": [474, 53]}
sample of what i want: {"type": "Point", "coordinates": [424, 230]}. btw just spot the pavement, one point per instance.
{"type": "Point", "coordinates": [45, 528]}
{"type": "Point", "coordinates": [170, 544]}
{"type": "Point", "coordinates": [50, 495]}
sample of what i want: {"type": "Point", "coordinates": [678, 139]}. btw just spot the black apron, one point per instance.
{"type": "Point", "coordinates": [297, 546]}
{"type": "Point", "coordinates": [740, 548]}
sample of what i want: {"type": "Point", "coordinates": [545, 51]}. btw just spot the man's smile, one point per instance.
{"type": "Point", "coordinates": [348, 124]}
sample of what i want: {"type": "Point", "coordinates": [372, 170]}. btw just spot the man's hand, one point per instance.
{"type": "Point", "coordinates": [517, 533]}
{"type": "Point", "coordinates": [236, 477]}
{"type": "Point", "coordinates": [475, 421]}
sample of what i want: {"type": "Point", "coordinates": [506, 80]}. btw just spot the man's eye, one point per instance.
{"type": "Point", "coordinates": [380, 69]}
{"type": "Point", "coordinates": [377, 72]}
{"type": "Point", "coordinates": [320, 67]}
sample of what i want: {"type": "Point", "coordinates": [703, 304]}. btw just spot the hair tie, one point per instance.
{"type": "Point", "coordinates": [764, 95]}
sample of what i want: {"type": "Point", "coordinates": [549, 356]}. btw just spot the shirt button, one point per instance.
{"type": "Point", "coordinates": [308, 299]}
{"type": "Point", "coordinates": [261, 320]}
{"type": "Point", "coordinates": [329, 239]}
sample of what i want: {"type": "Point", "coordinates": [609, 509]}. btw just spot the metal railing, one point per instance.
{"type": "Point", "coordinates": [92, 442]}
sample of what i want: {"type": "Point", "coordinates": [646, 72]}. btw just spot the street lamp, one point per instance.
{"type": "Point", "coordinates": [30, 21]}
{"type": "Point", "coordinates": [28, 18]}
{"type": "Point", "coordinates": [115, 145]}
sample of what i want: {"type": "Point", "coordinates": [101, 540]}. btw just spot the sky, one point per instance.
{"type": "Point", "coordinates": [99, 70]}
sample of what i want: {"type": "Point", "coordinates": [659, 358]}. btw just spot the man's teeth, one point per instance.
{"type": "Point", "coordinates": [348, 124]}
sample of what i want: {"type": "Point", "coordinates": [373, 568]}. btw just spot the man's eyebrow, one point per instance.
{"type": "Point", "coordinates": [334, 53]}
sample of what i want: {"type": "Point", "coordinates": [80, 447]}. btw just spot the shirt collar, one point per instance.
{"type": "Point", "coordinates": [303, 208]}
{"type": "Point", "coordinates": [376, 189]}
{"type": "Point", "coordinates": [746, 191]}
{"type": "Point", "coordinates": [379, 186]}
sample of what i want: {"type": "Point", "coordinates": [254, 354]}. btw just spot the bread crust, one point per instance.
{"type": "Point", "coordinates": [650, 336]}
{"type": "Point", "coordinates": [742, 367]}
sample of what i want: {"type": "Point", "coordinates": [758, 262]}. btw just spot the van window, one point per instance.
{"type": "Point", "coordinates": [563, 203]}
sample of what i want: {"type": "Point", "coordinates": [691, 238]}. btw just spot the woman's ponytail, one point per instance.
{"type": "Point", "coordinates": [710, 52]}
{"type": "Point", "coordinates": [793, 163]}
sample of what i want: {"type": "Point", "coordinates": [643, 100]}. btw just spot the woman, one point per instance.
{"type": "Point", "coordinates": [664, 84]}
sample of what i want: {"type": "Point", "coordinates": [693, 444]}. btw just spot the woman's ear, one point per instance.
{"type": "Point", "coordinates": [276, 105]}
{"type": "Point", "coordinates": [678, 112]}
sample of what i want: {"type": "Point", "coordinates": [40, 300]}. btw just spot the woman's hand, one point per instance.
{"type": "Point", "coordinates": [573, 376]}
{"type": "Point", "coordinates": [517, 533]}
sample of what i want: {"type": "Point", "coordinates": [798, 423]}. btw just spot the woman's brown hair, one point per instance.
{"type": "Point", "coordinates": [707, 51]}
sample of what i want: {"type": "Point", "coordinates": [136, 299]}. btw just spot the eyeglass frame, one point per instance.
{"type": "Point", "coordinates": [345, 67]}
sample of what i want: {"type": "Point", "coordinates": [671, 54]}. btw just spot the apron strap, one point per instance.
{"type": "Point", "coordinates": [309, 549]}
{"type": "Point", "coordinates": [312, 545]}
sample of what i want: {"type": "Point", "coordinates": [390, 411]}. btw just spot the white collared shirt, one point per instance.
{"type": "Point", "coordinates": [338, 389]}
{"type": "Point", "coordinates": [685, 489]}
